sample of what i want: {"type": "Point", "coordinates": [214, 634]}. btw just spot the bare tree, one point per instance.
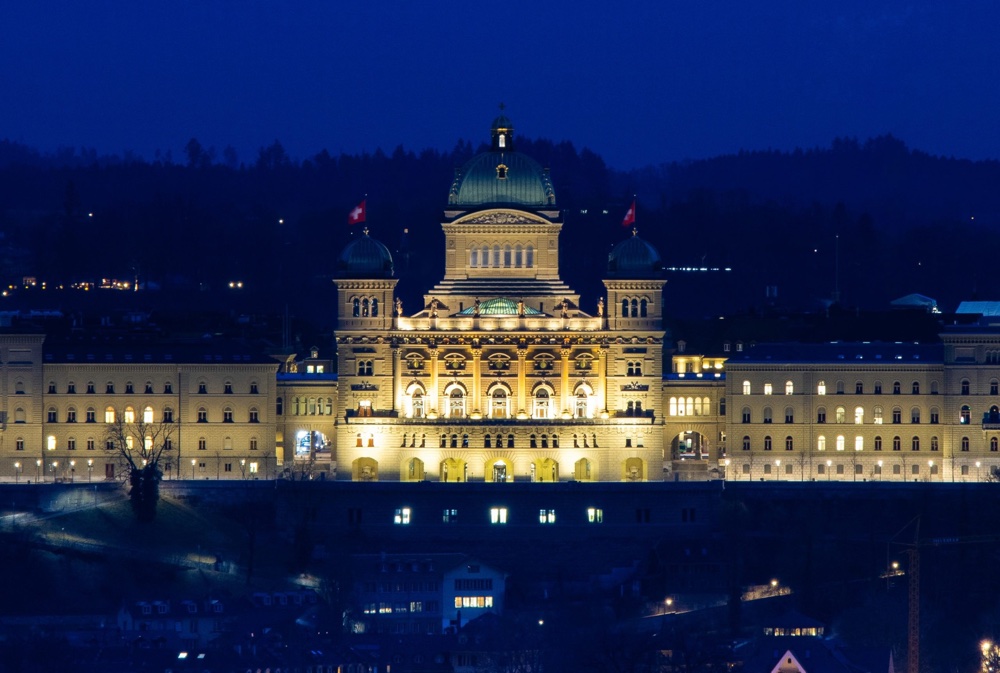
{"type": "Point", "coordinates": [139, 444]}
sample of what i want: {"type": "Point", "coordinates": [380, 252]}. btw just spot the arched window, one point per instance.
{"type": "Point", "coordinates": [746, 414]}
{"type": "Point", "coordinates": [417, 403]}
{"type": "Point", "coordinates": [456, 403]}
{"type": "Point", "coordinates": [841, 415]}
{"type": "Point", "coordinates": [541, 404]}
{"type": "Point", "coordinates": [746, 387]}
{"type": "Point", "coordinates": [859, 443]}
{"type": "Point", "coordinates": [916, 387]}
{"type": "Point", "coordinates": [499, 403]}
{"type": "Point", "coordinates": [746, 443]}
{"type": "Point", "coordinates": [840, 442]}
{"type": "Point", "coordinates": [486, 441]}
{"type": "Point", "coordinates": [529, 256]}
{"type": "Point", "coordinates": [965, 443]}
{"type": "Point", "coordinates": [914, 415]}
{"type": "Point", "coordinates": [821, 388]}
{"type": "Point", "coordinates": [581, 404]}
{"type": "Point", "coordinates": [915, 444]}
{"type": "Point", "coordinates": [356, 304]}
{"type": "Point", "coordinates": [496, 256]}
{"type": "Point", "coordinates": [485, 256]}
{"type": "Point", "coordinates": [474, 257]}
{"type": "Point", "coordinates": [789, 388]}
{"type": "Point", "coordinates": [507, 257]}
{"type": "Point", "coordinates": [993, 444]}
{"type": "Point", "coordinates": [635, 309]}
{"type": "Point", "coordinates": [965, 415]}
{"type": "Point", "coordinates": [642, 308]}
{"type": "Point", "coordinates": [965, 386]}
{"type": "Point", "coordinates": [767, 443]}
{"type": "Point", "coordinates": [859, 415]}
{"type": "Point", "coordinates": [364, 307]}
{"type": "Point", "coordinates": [789, 443]}
{"type": "Point", "coordinates": [518, 256]}
{"type": "Point", "coordinates": [109, 415]}
{"type": "Point", "coordinates": [374, 308]}
{"type": "Point", "coordinates": [896, 387]}
{"type": "Point", "coordinates": [129, 415]}
{"type": "Point", "coordinates": [624, 308]}
{"type": "Point", "coordinates": [147, 415]}
{"type": "Point", "coordinates": [877, 415]}
{"type": "Point", "coordinates": [821, 443]}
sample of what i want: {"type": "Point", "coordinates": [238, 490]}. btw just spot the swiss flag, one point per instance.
{"type": "Point", "coordinates": [358, 214]}
{"type": "Point", "coordinates": [630, 215]}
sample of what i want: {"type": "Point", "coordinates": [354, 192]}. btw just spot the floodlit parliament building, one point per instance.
{"type": "Point", "coordinates": [504, 374]}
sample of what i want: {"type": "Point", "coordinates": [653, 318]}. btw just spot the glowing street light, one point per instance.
{"type": "Point", "coordinates": [777, 469]}
{"type": "Point", "coordinates": [90, 469]}
{"type": "Point", "coordinates": [978, 471]}
{"type": "Point", "coordinates": [17, 472]}
{"type": "Point", "coordinates": [72, 471]}
{"type": "Point", "coordinates": [880, 470]}
{"type": "Point", "coordinates": [193, 463]}
{"type": "Point", "coordinates": [829, 465]}
{"type": "Point", "coordinates": [38, 469]}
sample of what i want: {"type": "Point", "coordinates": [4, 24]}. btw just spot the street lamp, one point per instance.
{"type": "Point", "coordinates": [978, 472]}
{"type": "Point", "coordinates": [930, 470]}
{"type": "Point", "coordinates": [777, 469]}
{"type": "Point", "coordinates": [90, 469]}
{"type": "Point", "coordinates": [193, 463]}
{"type": "Point", "coordinates": [829, 465]}
{"type": "Point", "coordinates": [880, 470]}
{"type": "Point", "coordinates": [72, 471]}
{"type": "Point", "coordinates": [38, 469]}
{"type": "Point", "coordinates": [55, 470]}
{"type": "Point", "coordinates": [17, 472]}
{"type": "Point", "coordinates": [669, 602]}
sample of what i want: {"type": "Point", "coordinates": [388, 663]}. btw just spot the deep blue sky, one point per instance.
{"type": "Point", "coordinates": [639, 81]}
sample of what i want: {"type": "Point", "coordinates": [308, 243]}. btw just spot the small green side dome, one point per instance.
{"type": "Point", "coordinates": [364, 257]}
{"type": "Point", "coordinates": [634, 258]}
{"type": "Point", "coordinates": [499, 306]}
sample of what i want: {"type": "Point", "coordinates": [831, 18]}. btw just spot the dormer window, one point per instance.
{"type": "Point", "coordinates": [502, 169]}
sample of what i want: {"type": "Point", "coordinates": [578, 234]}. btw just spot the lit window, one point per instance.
{"type": "Point", "coordinates": [789, 388]}
{"type": "Point", "coordinates": [498, 515]}
{"type": "Point", "coordinates": [129, 416]}
{"type": "Point", "coordinates": [821, 443]}
{"type": "Point", "coordinates": [840, 442]}
{"type": "Point", "coordinates": [147, 415]}
{"type": "Point", "coordinates": [402, 516]}
{"type": "Point", "coordinates": [821, 388]}
{"type": "Point", "coordinates": [109, 415]}
{"type": "Point", "coordinates": [768, 389]}
{"type": "Point", "coordinates": [746, 387]}
{"type": "Point", "coordinates": [595, 515]}
{"type": "Point", "coordinates": [546, 516]}
{"type": "Point", "coordinates": [50, 442]}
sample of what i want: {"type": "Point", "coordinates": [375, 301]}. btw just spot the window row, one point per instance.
{"type": "Point", "coordinates": [499, 403]}
{"type": "Point", "coordinates": [635, 307]}
{"type": "Point", "coordinates": [403, 516]}
{"type": "Point", "coordinates": [497, 362]}
{"type": "Point", "coordinates": [859, 443]}
{"type": "Point", "coordinates": [859, 388]}
{"type": "Point", "coordinates": [311, 406]}
{"type": "Point", "coordinates": [829, 468]}
{"type": "Point", "coordinates": [858, 415]}
{"type": "Point", "coordinates": [364, 307]}
{"type": "Point", "coordinates": [130, 388]}
{"type": "Point", "coordinates": [965, 387]}
{"type": "Point", "coordinates": [507, 256]}
{"type": "Point", "coordinates": [52, 444]}
{"type": "Point", "coordinates": [689, 406]}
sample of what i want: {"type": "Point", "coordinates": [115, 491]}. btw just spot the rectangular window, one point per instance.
{"type": "Point", "coordinates": [19, 445]}
{"type": "Point", "coordinates": [228, 467]}
{"type": "Point", "coordinates": [498, 515]}
{"type": "Point", "coordinates": [402, 516]}
{"type": "Point", "coordinates": [595, 515]}
{"type": "Point", "coordinates": [546, 516]}
{"type": "Point", "coordinates": [449, 516]}
{"type": "Point", "coordinates": [71, 444]}
{"type": "Point", "coordinates": [91, 416]}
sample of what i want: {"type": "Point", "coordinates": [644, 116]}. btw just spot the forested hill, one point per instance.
{"type": "Point", "coordinates": [906, 221]}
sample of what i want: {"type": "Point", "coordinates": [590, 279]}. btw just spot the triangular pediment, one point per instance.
{"type": "Point", "coordinates": [501, 216]}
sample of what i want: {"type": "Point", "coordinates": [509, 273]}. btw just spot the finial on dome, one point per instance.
{"type": "Point", "coordinates": [635, 231]}
{"type": "Point", "coordinates": [365, 231]}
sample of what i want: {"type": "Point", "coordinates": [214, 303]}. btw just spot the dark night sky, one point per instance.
{"type": "Point", "coordinates": [639, 82]}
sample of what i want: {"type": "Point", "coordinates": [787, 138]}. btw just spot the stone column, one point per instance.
{"type": "Point", "coordinates": [476, 392]}
{"type": "Point", "coordinates": [397, 382]}
{"type": "Point", "coordinates": [522, 354]}
{"type": "Point", "coordinates": [566, 393]}
{"type": "Point", "coordinates": [602, 380]}
{"type": "Point", "coordinates": [433, 392]}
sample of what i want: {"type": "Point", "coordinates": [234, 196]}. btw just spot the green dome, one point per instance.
{"type": "Point", "coordinates": [364, 257]}
{"type": "Point", "coordinates": [498, 306]}
{"type": "Point", "coordinates": [634, 258]}
{"type": "Point", "coordinates": [502, 176]}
